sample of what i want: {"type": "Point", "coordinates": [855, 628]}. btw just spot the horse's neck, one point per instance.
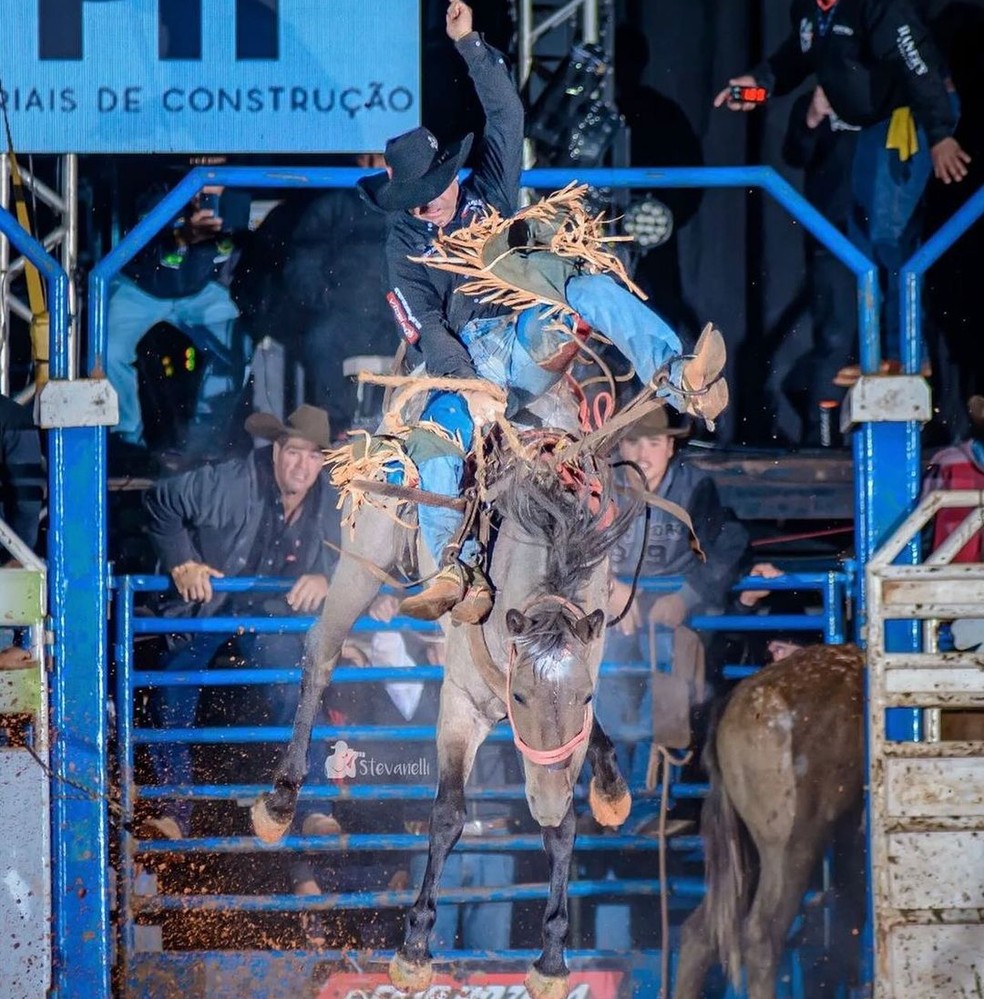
{"type": "Point", "coordinates": [519, 566]}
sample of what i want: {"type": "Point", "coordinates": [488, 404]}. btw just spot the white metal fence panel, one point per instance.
{"type": "Point", "coordinates": [927, 798]}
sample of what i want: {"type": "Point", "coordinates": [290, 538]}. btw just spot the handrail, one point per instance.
{"type": "Point", "coordinates": [764, 178]}
{"type": "Point", "coordinates": [914, 269]}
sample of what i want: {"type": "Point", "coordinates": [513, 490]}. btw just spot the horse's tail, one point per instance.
{"type": "Point", "coordinates": [727, 864]}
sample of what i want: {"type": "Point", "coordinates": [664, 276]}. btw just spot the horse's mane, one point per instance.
{"type": "Point", "coordinates": [570, 523]}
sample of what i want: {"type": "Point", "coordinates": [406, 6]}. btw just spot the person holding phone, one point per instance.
{"type": "Point", "coordinates": [178, 279]}
{"type": "Point", "coordinates": [881, 73]}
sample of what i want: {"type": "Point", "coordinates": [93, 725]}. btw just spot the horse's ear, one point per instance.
{"type": "Point", "coordinates": [590, 626]}
{"type": "Point", "coordinates": [516, 622]}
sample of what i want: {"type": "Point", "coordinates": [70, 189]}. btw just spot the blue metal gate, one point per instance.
{"type": "Point", "coordinates": [885, 452]}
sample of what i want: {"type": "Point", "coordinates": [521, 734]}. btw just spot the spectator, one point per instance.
{"type": "Point", "coordinates": [954, 307]}
{"type": "Point", "coordinates": [175, 279]}
{"type": "Point", "coordinates": [961, 467]}
{"type": "Point", "coordinates": [651, 627]}
{"type": "Point", "coordinates": [22, 477]}
{"type": "Point", "coordinates": [267, 514]}
{"type": "Point", "coordinates": [879, 70]}
{"type": "Point", "coordinates": [310, 277]}
{"type": "Point", "coordinates": [779, 644]}
{"type": "Point", "coordinates": [822, 145]}
{"type": "Point", "coordinates": [520, 351]}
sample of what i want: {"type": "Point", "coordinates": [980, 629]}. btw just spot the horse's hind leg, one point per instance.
{"type": "Point", "coordinates": [608, 794]}
{"type": "Point", "coordinates": [460, 731]}
{"type": "Point", "coordinates": [547, 979]}
{"type": "Point", "coordinates": [697, 954]}
{"type": "Point", "coordinates": [783, 879]}
{"type": "Point", "coordinates": [350, 593]}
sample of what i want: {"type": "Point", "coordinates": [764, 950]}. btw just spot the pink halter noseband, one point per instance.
{"type": "Point", "coordinates": [545, 757]}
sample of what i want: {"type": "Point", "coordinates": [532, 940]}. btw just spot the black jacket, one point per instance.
{"type": "Point", "coordinates": [213, 514]}
{"type": "Point", "coordinates": [825, 154]}
{"type": "Point", "coordinates": [870, 57]}
{"type": "Point", "coordinates": [423, 299]}
{"type": "Point", "coordinates": [724, 540]}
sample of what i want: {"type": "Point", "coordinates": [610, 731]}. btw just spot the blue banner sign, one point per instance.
{"type": "Point", "coordinates": [213, 76]}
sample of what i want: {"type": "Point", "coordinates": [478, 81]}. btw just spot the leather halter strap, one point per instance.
{"type": "Point", "coordinates": [545, 757]}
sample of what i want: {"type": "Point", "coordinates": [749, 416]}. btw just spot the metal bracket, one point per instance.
{"type": "Point", "coordinates": [82, 402]}
{"type": "Point", "coordinates": [886, 399]}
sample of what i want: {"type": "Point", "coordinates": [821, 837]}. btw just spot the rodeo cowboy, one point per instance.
{"type": "Point", "coordinates": [486, 292]}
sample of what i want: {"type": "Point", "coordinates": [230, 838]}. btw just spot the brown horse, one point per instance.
{"type": "Point", "coordinates": [785, 765]}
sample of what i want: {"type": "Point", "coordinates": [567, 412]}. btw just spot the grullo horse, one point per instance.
{"type": "Point", "coordinates": [535, 661]}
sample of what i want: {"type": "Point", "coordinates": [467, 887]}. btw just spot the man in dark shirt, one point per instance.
{"type": "Point", "coordinates": [466, 337]}
{"type": "Point", "coordinates": [658, 545]}
{"type": "Point", "coordinates": [265, 515]}
{"type": "Point", "coordinates": [879, 70]}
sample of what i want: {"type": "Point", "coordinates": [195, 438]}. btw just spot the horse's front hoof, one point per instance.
{"type": "Point", "coordinates": [409, 977]}
{"type": "Point", "coordinates": [609, 811]}
{"type": "Point", "coordinates": [265, 826]}
{"type": "Point", "coordinates": [541, 986]}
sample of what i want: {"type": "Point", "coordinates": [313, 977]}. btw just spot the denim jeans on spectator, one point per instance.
{"type": "Point", "coordinates": [131, 313]}
{"type": "Point", "coordinates": [884, 224]}
{"type": "Point", "coordinates": [176, 707]}
{"type": "Point", "coordinates": [484, 925]}
{"type": "Point", "coordinates": [505, 350]}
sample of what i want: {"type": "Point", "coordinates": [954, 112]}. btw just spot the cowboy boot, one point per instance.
{"type": "Point", "coordinates": [476, 605]}
{"type": "Point", "coordinates": [707, 363]}
{"type": "Point", "coordinates": [445, 590]}
{"type": "Point", "coordinates": [701, 375]}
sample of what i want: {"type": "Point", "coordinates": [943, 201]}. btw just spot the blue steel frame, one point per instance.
{"type": "Point", "coordinates": [830, 622]}
{"type": "Point", "coordinates": [78, 459]}
{"type": "Point", "coordinates": [78, 594]}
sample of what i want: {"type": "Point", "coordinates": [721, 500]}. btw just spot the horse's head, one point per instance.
{"type": "Point", "coordinates": [553, 669]}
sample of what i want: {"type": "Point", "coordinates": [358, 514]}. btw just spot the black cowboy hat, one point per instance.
{"type": "Point", "coordinates": [309, 423]}
{"type": "Point", "coordinates": [421, 171]}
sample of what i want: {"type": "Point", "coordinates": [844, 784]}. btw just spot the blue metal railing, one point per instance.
{"type": "Point", "coordinates": [764, 178]}
{"type": "Point", "coordinates": [77, 601]}
{"type": "Point", "coordinates": [831, 586]}
{"type": "Point", "coordinates": [878, 447]}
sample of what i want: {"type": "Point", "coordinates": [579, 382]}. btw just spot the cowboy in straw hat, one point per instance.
{"type": "Point", "coordinates": [526, 282]}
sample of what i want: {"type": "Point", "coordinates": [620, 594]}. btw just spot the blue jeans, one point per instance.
{"type": "Point", "coordinates": [131, 313]}
{"type": "Point", "coordinates": [884, 224]}
{"type": "Point", "coordinates": [176, 707]}
{"type": "Point", "coordinates": [507, 351]}
{"type": "Point", "coordinates": [484, 925]}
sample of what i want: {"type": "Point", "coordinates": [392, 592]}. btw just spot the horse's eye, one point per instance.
{"type": "Point", "coordinates": [589, 699]}
{"type": "Point", "coordinates": [518, 698]}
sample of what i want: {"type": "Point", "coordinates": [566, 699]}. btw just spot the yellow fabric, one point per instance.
{"type": "Point", "coordinates": [902, 134]}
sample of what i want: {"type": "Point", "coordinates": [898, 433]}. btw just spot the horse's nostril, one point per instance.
{"type": "Point", "coordinates": [557, 766]}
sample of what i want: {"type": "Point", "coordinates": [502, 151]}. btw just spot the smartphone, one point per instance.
{"type": "Point", "coordinates": [749, 95]}
{"type": "Point", "coordinates": [232, 206]}
{"type": "Point", "coordinates": [209, 203]}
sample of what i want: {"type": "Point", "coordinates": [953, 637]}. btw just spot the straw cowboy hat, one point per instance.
{"type": "Point", "coordinates": [419, 171]}
{"type": "Point", "coordinates": [309, 423]}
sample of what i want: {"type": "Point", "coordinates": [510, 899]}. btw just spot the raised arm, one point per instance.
{"type": "Point", "coordinates": [501, 155]}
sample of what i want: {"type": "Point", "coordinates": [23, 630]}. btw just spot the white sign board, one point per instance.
{"type": "Point", "coordinates": [212, 76]}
